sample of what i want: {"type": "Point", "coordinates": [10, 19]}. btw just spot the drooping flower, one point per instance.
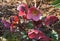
{"type": "Point", "coordinates": [22, 9]}
{"type": "Point", "coordinates": [36, 34]}
{"type": "Point", "coordinates": [34, 14]}
{"type": "Point", "coordinates": [51, 20]}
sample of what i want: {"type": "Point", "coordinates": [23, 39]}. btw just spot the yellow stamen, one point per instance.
{"type": "Point", "coordinates": [34, 12]}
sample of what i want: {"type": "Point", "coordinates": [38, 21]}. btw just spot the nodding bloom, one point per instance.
{"type": "Point", "coordinates": [51, 20]}
{"type": "Point", "coordinates": [36, 34]}
{"type": "Point", "coordinates": [22, 8]}
{"type": "Point", "coordinates": [34, 14]}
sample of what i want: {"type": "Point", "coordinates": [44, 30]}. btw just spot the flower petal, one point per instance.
{"type": "Point", "coordinates": [36, 18]}
{"type": "Point", "coordinates": [21, 13]}
{"type": "Point", "coordinates": [29, 15]}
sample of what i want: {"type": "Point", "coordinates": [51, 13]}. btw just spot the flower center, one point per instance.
{"type": "Point", "coordinates": [34, 12]}
{"type": "Point", "coordinates": [23, 8]}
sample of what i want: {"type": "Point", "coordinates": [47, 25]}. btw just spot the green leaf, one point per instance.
{"type": "Point", "coordinates": [10, 36]}
{"type": "Point", "coordinates": [24, 36]}
{"type": "Point", "coordinates": [29, 25]}
{"type": "Point", "coordinates": [54, 35]}
{"type": "Point", "coordinates": [56, 3]}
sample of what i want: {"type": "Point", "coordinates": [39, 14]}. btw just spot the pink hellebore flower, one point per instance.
{"type": "Point", "coordinates": [22, 8]}
{"type": "Point", "coordinates": [34, 14]}
{"type": "Point", "coordinates": [36, 34]}
{"type": "Point", "coordinates": [51, 20]}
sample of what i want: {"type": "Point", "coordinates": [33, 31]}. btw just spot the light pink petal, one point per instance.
{"type": "Point", "coordinates": [32, 35]}
{"type": "Point", "coordinates": [29, 15]}
{"type": "Point", "coordinates": [37, 17]}
{"type": "Point", "coordinates": [18, 8]}
{"type": "Point", "coordinates": [35, 31]}
{"type": "Point", "coordinates": [22, 5]}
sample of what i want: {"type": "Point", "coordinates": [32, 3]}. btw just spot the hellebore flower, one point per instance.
{"type": "Point", "coordinates": [51, 20]}
{"type": "Point", "coordinates": [22, 9]}
{"type": "Point", "coordinates": [34, 14]}
{"type": "Point", "coordinates": [36, 34]}
{"type": "Point", "coordinates": [6, 24]}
